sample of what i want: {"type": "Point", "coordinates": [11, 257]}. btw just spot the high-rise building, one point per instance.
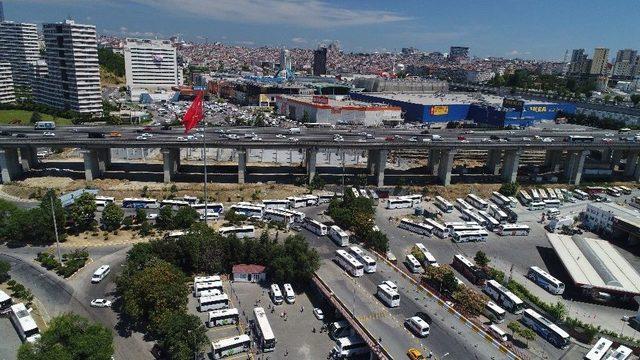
{"type": "Point", "coordinates": [625, 64]}
{"type": "Point", "coordinates": [599, 62]}
{"type": "Point", "coordinates": [320, 61]}
{"type": "Point", "coordinates": [285, 62]}
{"type": "Point", "coordinates": [19, 47]}
{"type": "Point", "coordinates": [457, 53]}
{"type": "Point", "coordinates": [73, 78]}
{"type": "Point", "coordinates": [7, 93]}
{"type": "Point", "coordinates": [150, 63]}
{"type": "Point", "coordinates": [579, 64]}
{"type": "Point", "coordinates": [1, 12]}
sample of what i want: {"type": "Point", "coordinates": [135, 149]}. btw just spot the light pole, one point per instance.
{"type": "Point", "coordinates": [55, 228]}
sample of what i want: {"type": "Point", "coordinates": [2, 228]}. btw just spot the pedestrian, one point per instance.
{"type": "Point", "coordinates": [301, 308]}
{"type": "Point", "coordinates": [314, 330]}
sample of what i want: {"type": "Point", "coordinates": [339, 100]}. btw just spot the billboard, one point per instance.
{"type": "Point", "coordinates": [513, 103]}
{"type": "Point", "coordinates": [439, 110]}
{"type": "Point", "coordinates": [320, 100]}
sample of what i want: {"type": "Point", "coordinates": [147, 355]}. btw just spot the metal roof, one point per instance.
{"type": "Point", "coordinates": [595, 263]}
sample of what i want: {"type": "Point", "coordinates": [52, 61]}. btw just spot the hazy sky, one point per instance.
{"type": "Point", "coordinates": [510, 28]}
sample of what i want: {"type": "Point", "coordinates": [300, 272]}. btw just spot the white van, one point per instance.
{"type": "Point", "coordinates": [289, 295]}
{"type": "Point", "coordinates": [418, 326]}
{"type": "Point", "coordinates": [101, 273]}
{"type": "Point", "coordinates": [276, 294]}
{"type": "Point", "coordinates": [498, 333]}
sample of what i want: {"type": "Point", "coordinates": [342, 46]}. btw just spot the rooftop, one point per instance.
{"type": "Point", "coordinates": [445, 98]}
{"type": "Point", "coordinates": [336, 102]}
{"type": "Point", "coordinates": [617, 210]}
{"type": "Point", "coordinates": [248, 269]}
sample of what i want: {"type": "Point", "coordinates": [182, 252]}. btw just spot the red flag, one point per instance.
{"type": "Point", "coordinates": [193, 116]}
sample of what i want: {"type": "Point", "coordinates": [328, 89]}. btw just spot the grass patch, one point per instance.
{"type": "Point", "coordinates": [23, 117]}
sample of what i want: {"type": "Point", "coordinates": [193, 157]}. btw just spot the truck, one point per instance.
{"type": "Point", "coordinates": [294, 130]}
{"type": "Point", "coordinates": [558, 223]}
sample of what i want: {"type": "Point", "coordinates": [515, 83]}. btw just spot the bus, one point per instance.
{"type": "Point", "coordinates": [635, 202]}
{"type": "Point", "coordinates": [275, 204]}
{"type": "Point", "coordinates": [302, 201]}
{"type": "Point", "coordinates": [211, 278]}
{"type": "Point", "coordinates": [315, 227]}
{"type": "Point", "coordinates": [416, 198]}
{"type": "Point", "coordinates": [174, 204]}
{"type": "Point", "coordinates": [552, 193]}
{"type": "Point", "coordinates": [477, 201]}
{"type": "Point", "coordinates": [512, 216]}
{"type": "Point", "coordinates": [543, 194]}
{"type": "Point", "coordinates": [498, 333]}
{"type": "Point", "coordinates": [298, 216]}
{"type": "Point", "coordinates": [349, 346]}
{"type": "Point", "coordinates": [494, 312]}
{"type": "Point", "coordinates": [241, 232]}
{"type": "Point", "coordinates": [278, 216]}
{"type": "Point", "coordinates": [580, 195]}
{"type": "Point", "coordinates": [537, 205]}
{"type": "Point", "coordinates": [614, 192]}
{"type": "Point", "coordinates": [325, 198]}
{"type": "Point", "coordinates": [524, 197]}
{"type": "Point", "coordinates": [443, 204]}
{"type": "Point", "coordinates": [513, 202]}
{"type": "Point", "coordinates": [100, 273]}
{"type": "Point", "coordinates": [24, 323]}
{"type": "Point", "coordinates": [497, 213]}
{"type": "Point", "coordinates": [429, 259]}
{"type": "Point", "coordinates": [468, 269]}
{"type": "Point", "coordinates": [413, 264]}
{"type": "Point", "coordinates": [373, 195]}
{"type": "Point", "coordinates": [513, 230]}
{"type": "Point", "coordinates": [535, 196]}
{"type": "Point", "coordinates": [499, 199]}
{"type": "Point", "coordinates": [363, 193]}
{"type": "Point", "coordinates": [102, 201]}
{"type": "Point", "coordinates": [567, 195]}
{"type": "Point", "coordinates": [545, 328]}
{"type": "Point", "coordinates": [462, 205]}
{"type": "Point", "coordinates": [339, 236]}
{"type": "Point", "coordinates": [621, 353]}
{"type": "Point", "coordinates": [211, 207]}
{"type": "Point", "coordinates": [503, 297]}
{"type": "Point", "coordinates": [5, 301]}
{"type": "Point", "coordinates": [289, 294]}
{"type": "Point", "coordinates": [349, 263]}
{"type": "Point", "coordinates": [207, 303]}
{"type": "Point", "coordinates": [415, 227]}
{"type": "Point", "coordinates": [471, 215]}
{"type": "Point", "coordinates": [190, 199]}
{"type": "Point", "coordinates": [44, 125]}
{"type": "Point", "coordinates": [276, 294]}
{"type": "Point", "coordinates": [223, 317]}
{"type": "Point", "coordinates": [625, 190]}
{"type": "Point", "coordinates": [366, 260]}
{"type": "Point", "coordinates": [388, 296]}
{"type": "Point", "coordinates": [579, 139]}
{"type": "Point", "coordinates": [248, 210]}
{"type": "Point", "coordinates": [438, 229]}
{"type": "Point", "coordinates": [199, 287]}
{"type": "Point", "coordinates": [140, 203]}
{"type": "Point", "coordinates": [545, 280]}
{"type": "Point", "coordinates": [230, 346]}
{"type": "Point", "coordinates": [266, 338]}
{"type": "Point", "coordinates": [552, 203]}
{"type": "Point", "coordinates": [598, 350]}
{"type": "Point", "coordinates": [355, 192]}
{"type": "Point", "coordinates": [399, 203]}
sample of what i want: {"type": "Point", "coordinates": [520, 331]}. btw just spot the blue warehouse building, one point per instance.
{"type": "Point", "coordinates": [484, 109]}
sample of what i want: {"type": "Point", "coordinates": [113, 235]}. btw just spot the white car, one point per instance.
{"type": "Point", "coordinates": [256, 138]}
{"type": "Point", "coordinates": [182, 138]}
{"type": "Point", "coordinates": [100, 303]}
{"type": "Point", "coordinates": [317, 312]}
{"type": "Point", "coordinates": [413, 139]}
{"type": "Point", "coordinates": [152, 216]}
{"type": "Point", "coordinates": [48, 133]}
{"type": "Point", "coordinates": [547, 140]}
{"type": "Point", "coordinates": [141, 137]}
{"type": "Point", "coordinates": [294, 139]}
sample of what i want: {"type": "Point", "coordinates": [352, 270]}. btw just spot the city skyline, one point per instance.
{"type": "Point", "coordinates": [500, 30]}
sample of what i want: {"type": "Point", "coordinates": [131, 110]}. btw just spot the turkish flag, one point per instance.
{"type": "Point", "coordinates": [195, 113]}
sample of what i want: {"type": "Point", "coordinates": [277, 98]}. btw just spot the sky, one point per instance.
{"type": "Point", "coordinates": [530, 29]}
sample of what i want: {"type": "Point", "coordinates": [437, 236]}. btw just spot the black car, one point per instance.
{"type": "Point", "coordinates": [5, 133]}
{"type": "Point", "coordinates": [21, 135]}
{"type": "Point", "coordinates": [166, 127]}
{"type": "Point", "coordinates": [494, 137]}
{"type": "Point", "coordinates": [96, 135]}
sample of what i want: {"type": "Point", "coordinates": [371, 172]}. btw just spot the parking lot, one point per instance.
{"type": "Point", "coordinates": [10, 339]}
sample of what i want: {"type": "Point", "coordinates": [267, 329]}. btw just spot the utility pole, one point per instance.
{"type": "Point", "coordinates": [55, 228]}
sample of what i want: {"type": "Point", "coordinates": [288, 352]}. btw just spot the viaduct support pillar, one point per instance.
{"type": "Point", "coordinates": [575, 166]}
{"type": "Point", "coordinates": [311, 157]}
{"type": "Point", "coordinates": [91, 166]}
{"type": "Point", "coordinates": [104, 159]}
{"type": "Point", "coordinates": [632, 163]}
{"type": "Point", "coordinates": [242, 165]}
{"type": "Point", "coordinates": [493, 161]}
{"type": "Point", "coordinates": [9, 165]}
{"type": "Point", "coordinates": [433, 162]}
{"type": "Point", "coordinates": [169, 164]}
{"type": "Point", "coordinates": [371, 161]}
{"type": "Point", "coordinates": [615, 158]}
{"type": "Point", "coordinates": [175, 158]}
{"type": "Point", "coordinates": [445, 166]}
{"type": "Point", "coordinates": [606, 155]}
{"type": "Point", "coordinates": [552, 160]}
{"type": "Point", "coordinates": [28, 157]}
{"type": "Point", "coordinates": [380, 164]}
{"type": "Point", "coordinates": [511, 163]}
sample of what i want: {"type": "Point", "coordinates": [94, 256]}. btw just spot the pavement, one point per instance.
{"type": "Point", "coordinates": [10, 340]}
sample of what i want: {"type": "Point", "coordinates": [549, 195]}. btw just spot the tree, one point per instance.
{"type": "Point", "coordinates": [112, 216]}
{"type": "Point", "coordinates": [141, 215]}
{"type": "Point", "coordinates": [296, 262]}
{"type": "Point", "coordinates": [509, 189]}
{"type": "Point", "coordinates": [165, 218]}
{"type": "Point", "coordinates": [181, 336]}
{"type": "Point", "coordinates": [515, 328]}
{"type": "Point", "coordinates": [5, 267]}
{"type": "Point", "coordinates": [528, 335]}
{"type": "Point", "coordinates": [558, 311]}
{"type": "Point", "coordinates": [317, 183]}
{"type": "Point", "coordinates": [481, 259]}
{"type": "Point", "coordinates": [635, 99]}
{"type": "Point", "coordinates": [470, 302]}
{"type": "Point", "coordinates": [70, 337]}
{"type": "Point", "coordinates": [145, 228]}
{"type": "Point", "coordinates": [185, 217]}
{"type": "Point", "coordinates": [234, 218]}
{"type": "Point", "coordinates": [35, 117]}
{"type": "Point", "coordinates": [82, 212]}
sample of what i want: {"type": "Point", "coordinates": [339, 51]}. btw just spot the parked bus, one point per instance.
{"type": "Point", "coordinates": [208, 303]}
{"type": "Point", "coordinates": [595, 190]}
{"type": "Point", "coordinates": [418, 228]}
{"type": "Point", "coordinates": [512, 216]}
{"type": "Point", "coordinates": [468, 269]}
{"type": "Point", "coordinates": [438, 229]}
{"type": "Point", "coordinates": [363, 193]}
{"type": "Point", "coordinates": [470, 215]}
{"type": "Point", "coordinates": [580, 195]}
{"type": "Point", "coordinates": [545, 328]}
{"type": "Point", "coordinates": [44, 125]}
{"type": "Point", "coordinates": [298, 216]}
{"type": "Point", "coordinates": [552, 203]}
{"type": "Point", "coordinates": [477, 201]}
{"type": "Point", "coordinates": [355, 192]}
{"type": "Point", "coordinates": [635, 202]}
{"type": "Point", "coordinates": [174, 204]}
{"type": "Point", "coordinates": [241, 232]}
{"type": "Point", "coordinates": [140, 203]}
{"type": "Point", "coordinates": [625, 190]}
{"type": "Point", "coordinates": [537, 205]}
{"type": "Point", "coordinates": [230, 346]}
{"type": "Point", "coordinates": [100, 273]}
{"type": "Point", "coordinates": [349, 263]}
{"type": "Point", "coordinates": [24, 323]}
{"type": "Point", "coordinates": [366, 260]}
{"type": "Point", "coordinates": [388, 296]}
{"type": "Point", "coordinates": [429, 259]}
{"type": "Point", "coordinates": [499, 199]}
{"type": "Point", "coordinates": [491, 223]}
{"type": "Point", "coordinates": [248, 210]}
{"type": "Point", "coordinates": [264, 334]}
{"type": "Point", "coordinates": [102, 201]}
{"type": "Point", "coordinates": [513, 230]}
{"type": "Point", "coordinates": [201, 279]}
{"type": "Point", "coordinates": [278, 216]}
{"type": "Point", "coordinates": [350, 346]}
{"type": "Point", "coordinates": [463, 225]}
{"type": "Point", "coordinates": [199, 287]}
{"type": "Point", "coordinates": [494, 312]}
{"type": "Point", "coordinates": [373, 195]}
{"type": "Point", "coordinates": [545, 280]}
{"type": "Point", "coordinates": [498, 213]}
{"type": "Point", "coordinates": [5, 301]}
{"type": "Point", "coordinates": [315, 227]}
{"type": "Point", "coordinates": [513, 202]}
{"type": "Point", "coordinates": [579, 139]}
{"type": "Point", "coordinates": [543, 194]}
{"type": "Point", "coordinates": [223, 317]}
{"type": "Point", "coordinates": [535, 195]}
{"type": "Point", "coordinates": [211, 207]}
{"type": "Point", "coordinates": [325, 198]}
{"type": "Point", "coordinates": [275, 204]}
{"type": "Point", "coordinates": [524, 197]}
{"type": "Point", "coordinates": [416, 198]}
{"type": "Point", "coordinates": [276, 294]}
{"type": "Point", "coordinates": [297, 202]}
{"type": "Point", "coordinates": [462, 205]}
{"type": "Point", "coordinates": [443, 204]}
{"type": "Point", "coordinates": [559, 194]}
{"type": "Point", "coordinates": [289, 294]}
{"type": "Point", "coordinates": [621, 353]}
{"type": "Point", "coordinates": [612, 191]}
{"type": "Point", "coordinates": [551, 193]}
{"type": "Point", "coordinates": [339, 236]}
{"type": "Point", "coordinates": [598, 350]}
{"type": "Point", "coordinates": [503, 297]}
{"type": "Point", "coordinates": [498, 333]}
{"type": "Point", "coordinates": [399, 203]}
{"type": "Point", "coordinates": [413, 264]}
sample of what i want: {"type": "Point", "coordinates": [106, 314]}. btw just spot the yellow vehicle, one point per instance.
{"type": "Point", "coordinates": [415, 354]}
{"type": "Point", "coordinates": [115, 134]}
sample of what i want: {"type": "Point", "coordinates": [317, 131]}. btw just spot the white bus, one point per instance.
{"type": "Point", "coordinates": [349, 263]}
{"type": "Point", "coordinates": [503, 297]}
{"type": "Point", "coordinates": [537, 205]}
{"type": "Point", "coordinates": [289, 294]}
{"type": "Point", "coordinates": [498, 214]}
{"type": "Point", "coordinates": [494, 312]}
{"type": "Point", "coordinates": [471, 215]}
{"type": "Point", "coordinates": [613, 191]}
{"type": "Point", "coordinates": [241, 232]}
{"type": "Point", "coordinates": [100, 273]}
{"type": "Point", "coordinates": [278, 216]}
{"type": "Point", "coordinates": [524, 197]}
{"type": "Point", "coordinates": [174, 204]}
{"type": "Point", "coordinates": [102, 201]}
{"type": "Point", "coordinates": [455, 225]}
{"type": "Point", "coordinates": [438, 229]}
{"type": "Point", "coordinates": [443, 204]}
{"type": "Point", "coordinates": [621, 353]}
{"type": "Point", "coordinates": [190, 199]}
{"type": "Point", "coordinates": [462, 205]}
{"type": "Point", "coordinates": [276, 204]}
{"type": "Point", "coordinates": [513, 230]}
{"type": "Point", "coordinates": [491, 223]}
{"type": "Point", "coordinates": [545, 280]}
{"type": "Point", "coordinates": [498, 333]}
{"type": "Point", "coordinates": [230, 346]}
{"type": "Point", "coordinates": [416, 198]}
{"type": "Point", "coordinates": [211, 207]}
{"type": "Point", "coordinates": [248, 210]}
{"type": "Point", "coordinates": [223, 317]}
{"type": "Point", "coordinates": [276, 294]}
{"type": "Point", "coordinates": [388, 296]}
{"type": "Point", "coordinates": [199, 287]}
{"type": "Point", "coordinates": [355, 192]}
{"type": "Point", "coordinates": [210, 278]}
{"type": "Point", "coordinates": [625, 190]}
{"type": "Point", "coordinates": [140, 203]}
{"type": "Point", "coordinates": [413, 264]}
{"type": "Point", "coordinates": [5, 301]}
{"type": "Point", "coordinates": [470, 236]}
{"type": "Point", "coordinates": [349, 347]}
{"type": "Point", "coordinates": [477, 201]}
{"type": "Point", "coordinates": [545, 328]}
{"type": "Point", "coordinates": [513, 202]}
{"type": "Point", "coordinates": [324, 198]}
{"type": "Point", "coordinates": [543, 194]}
{"type": "Point", "coordinates": [499, 199]}
{"type": "Point", "coordinates": [366, 260]}
{"type": "Point", "coordinates": [580, 195]}
{"type": "Point", "coordinates": [315, 227]}
{"type": "Point", "coordinates": [266, 338]}
{"type": "Point", "coordinates": [298, 216]}
{"type": "Point", "coordinates": [429, 259]}
{"type": "Point", "coordinates": [551, 193]}
{"type": "Point", "coordinates": [418, 326]}
{"type": "Point", "coordinates": [598, 350]}
{"type": "Point", "coordinates": [302, 201]}
{"type": "Point", "coordinates": [339, 236]}
{"type": "Point", "coordinates": [535, 195]}
{"type": "Point", "coordinates": [399, 203]}
{"type": "Point", "coordinates": [635, 202]}
{"type": "Point", "coordinates": [24, 323]}
{"type": "Point", "coordinates": [363, 193]}
{"type": "Point", "coordinates": [208, 303]}
{"type": "Point", "coordinates": [418, 228]}
{"type": "Point", "coordinates": [552, 203]}
{"type": "Point", "coordinates": [568, 195]}
{"type": "Point", "coordinates": [44, 125]}
{"type": "Point", "coordinates": [579, 139]}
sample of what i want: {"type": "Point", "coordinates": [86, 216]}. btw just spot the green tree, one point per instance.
{"type": "Point", "coordinates": [141, 215]}
{"type": "Point", "coordinates": [35, 117]}
{"type": "Point", "coordinates": [82, 212]}
{"type": "Point", "coordinates": [509, 189]}
{"type": "Point", "coordinates": [470, 301]}
{"type": "Point", "coordinates": [234, 218]}
{"type": "Point", "coordinates": [5, 267]}
{"type": "Point", "coordinates": [515, 328]}
{"type": "Point", "coordinates": [317, 183]}
{"type": "Point", "coordinates": [528, 335]}
{"type": "Point", "coordinates": [185, 217]}
{"type": "Point", "coordinates": [181, 336]}
{"type": "Point", "coordinates": [481, 259]}
{"type": "Point", "coordinates": [112, 217]}
{"type": "Point", "coordinates": [165, 218]}
{"type": "Point", "coordinates": [635, 99]}
{"type": "Point", "coordinates": [145, 228]}
{"type": "Point", "coordinates": [558, 311]}
{"type": "Point", "coordinates": [296, 262]}
{"type": "Point", "coordinates": [127, 222]}
{"type": "Point", "coordinates": [70, 337]}
{"type": "Point", "coordinates": [111, 61]}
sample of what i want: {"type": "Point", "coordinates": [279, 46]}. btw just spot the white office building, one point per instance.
{"type": "Point", "coordinates": [150, 64]}
{"type": "Point", "coordinates": [600, 216]}
{"type": "Point", "coordinates": [73, 78]}
{"type": "Point", "coordinates": [19, 47]}
{"type": "Point", "coordinates": [7, 95]}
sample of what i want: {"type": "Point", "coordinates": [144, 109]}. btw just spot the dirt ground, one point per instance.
{"type": "Point", "coordinates": [98, 238]}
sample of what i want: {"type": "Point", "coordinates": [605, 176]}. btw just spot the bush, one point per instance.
{"type": "Point", "coordinates": [509, 189]}
{"type": "Point", "coordinates": [4, 271]}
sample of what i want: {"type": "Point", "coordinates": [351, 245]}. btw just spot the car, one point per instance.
{"type": "Point", "coordinates": [256, 138]}
{"type": "Point", "coordinates": [486, 140]}
{"type": "Point", "coordinates": [547, 140]}
{"type": "Point", "coordinates": [147, 128]}
{"type": "Point", "coordinates": [607, 140]}
{"type": "Point", "coordinates": [317, 312]}
{"type": "Point", "coordinates": [100, 303]}
{"type": "Point", "coordinates": [141, 137]}
{"type": "Point", "coordinates": [389, 138]}
{"type": "Point", "coordinates": [48, 134]}
{"type": "Point", "coordinates": [182, 138]}
{"type": "Point", "coordinates": [526, 139]}
{"type": "Point", "coordinates": [5, 133]}
{"type": "Point", "coordinates": [362, 140]}
{"type": "Point", "coordinates": [469, 132]}
{"type": "Point", "coordinates": [115, 134]}
{"type": "Point", "coordinates": [152, 216]}
{"type": "Point", "coordinates": [424, 132]}
{"type": "Point", "coordinates": [147, 135]}
{"type": "Point", "coordinates": [494, 137]}
{"type": "Point", "coordinates": [294, 139]}
{"type": "Point", "coordinates": [415, 354]}
{"type": "Point", "coordinates": [460, 137]}
{"type": "Point", "coordinates": [166, 127]}
{"type": "Point", "coordinates": [413, 139]}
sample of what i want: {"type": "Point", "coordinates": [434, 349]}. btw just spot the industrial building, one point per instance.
{"type": "Point", "coordinates": [150, 64]}
{"type": "Point", "coordinates": [337, 110]}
